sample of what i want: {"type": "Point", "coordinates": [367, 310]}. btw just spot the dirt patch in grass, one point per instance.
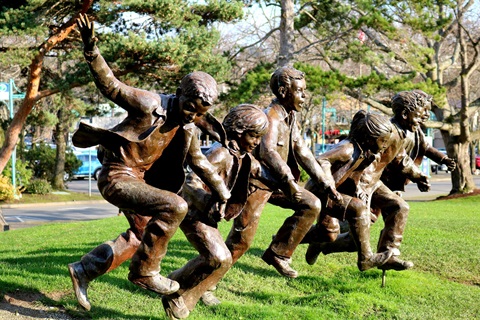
{"type": "Point", "coordinates": [23, 306]}
{"type": "Point", "coordinates": [475, 192]}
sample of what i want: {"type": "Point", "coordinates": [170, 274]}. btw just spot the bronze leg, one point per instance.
{"type": "Point", "coordinates": [206, 270]}
{"type": "Point", "coordinates": [245, 225]}
{"type": "Point", "coordinates": [296, 226]}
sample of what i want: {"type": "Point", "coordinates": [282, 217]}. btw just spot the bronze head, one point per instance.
{"type": "Point", "coordinates": [245, 117]}
{"type": "Point", "coordinates": [409, 108]}
{"type": "Point", "coordinates": [288, 85]}
{"type": "Point", "coordinates": [371, 131]}
{"type": "Point", "coordinates": [196, 94]}
{"type": "Point", "coordinates": [199, 84]}
{"type": "Point", "coordinates": [246, 124]}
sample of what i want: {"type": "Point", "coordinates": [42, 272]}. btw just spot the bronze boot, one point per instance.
{"type": "Point", "coordinates": [279, 263]}
{"type": "Point", "coordinates": [145, 264]}
{"type": "Point", "coordinates": [313, 251]}
{"type": "Point", "coordinates": [209, 299]}
{"type": "Point", "coordinates": [80, 284]}
{"type": "Point", "coordinates": [360, 232]}
{"type": "Point", "coordinates": [394, 263]}
{"type": "Point", "coordinates": [175, 307]}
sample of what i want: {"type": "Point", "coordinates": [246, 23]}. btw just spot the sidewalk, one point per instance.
{"type": "Point", "coordinates": [60, 203]}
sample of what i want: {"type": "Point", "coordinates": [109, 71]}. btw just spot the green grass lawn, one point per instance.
{"type": "Point", "coordinates": [442, 238]}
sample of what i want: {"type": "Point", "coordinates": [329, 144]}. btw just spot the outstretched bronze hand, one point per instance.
{"type": "Point", "coordinates": [423, 184]}
{"type": "Point", "coordinates": [450, 163]}
{"type": "Point", "coordinates": [87, 30]}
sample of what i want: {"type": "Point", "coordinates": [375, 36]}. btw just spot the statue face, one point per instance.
{"type": "Point", "coordinates": [377, 145]}
{"type": "Point", "coordinates": [249, 140]}
{"type": "Point", "coordinates": [411, 120]}
{"type": "Point", "coordinates": [190, 109]}
{"type": "Point", "coordinates": [426, 112]}
{"type": "Point", "coordinates": [295, 96]}
{"type": "Point", "coordinates": [381, 144]}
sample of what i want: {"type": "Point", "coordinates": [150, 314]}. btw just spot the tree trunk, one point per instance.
{"type": "Point", "coordinates": [31, 95]}
{"type": "Point", "coordinates": [60, 132]}
{"type": "Point", "coordinates": [462, 178]}
{"type": "Point", "coordinates": [286, 33]}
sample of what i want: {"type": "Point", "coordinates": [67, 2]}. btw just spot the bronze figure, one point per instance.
{"type": "Point", "coordinates": [370, 135]}
{"type": "Point", "coordinates": [281, 149]}
{"type": "Point", "coordinates": [157, 136]}
{"type": "Point", "coordinates": [408, 115]}
{"type": "Point", "coordinates": [244, 125]}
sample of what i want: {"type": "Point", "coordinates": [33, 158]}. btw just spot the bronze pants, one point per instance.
{"type": "Point", "coordinates": [290, 233]}
{"type": "Point", "coordinates": [204, 271]}
{"type": "Point", "coordinates": [395, 214]}
{"type": "Point", "coordinates": [164, 211]}
{"type": "Point", "coordinates": [111, 254]}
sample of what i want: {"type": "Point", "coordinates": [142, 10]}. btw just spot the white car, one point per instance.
{"type": "Point", "coordinates": [435, 166]}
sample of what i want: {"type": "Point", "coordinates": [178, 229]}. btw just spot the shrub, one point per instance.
{"type": "Point", "coordinates": [39, 186]}
{"type": "Point", "coordinates": [23, 174]}
{"type": "Point", "coordinates": [6, 189]}
{"type": "Point", "coordinates": [41, 159]}
{"type": "Point", "coordinates": [304, 175]}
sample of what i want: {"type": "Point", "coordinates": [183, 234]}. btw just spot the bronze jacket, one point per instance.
{"type": "Point", "coordinates": [394, 155]}
{"type": "Point", "coordinates": [393, 178]}
{"type": "Point", "coordinates": [282, 149]}
{"type": "Point", "coordinates": [235, 170]}
{"type": "Point", "coordinates": [137, 144]}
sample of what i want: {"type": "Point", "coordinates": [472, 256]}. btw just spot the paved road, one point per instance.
{"type": "Point", "coordinates": [84, 186]}
{"type": "Point", "coordinates": [29, 215]}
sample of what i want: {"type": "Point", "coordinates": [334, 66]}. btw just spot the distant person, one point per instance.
{"type": "Point", "coordinates": [157, 135]}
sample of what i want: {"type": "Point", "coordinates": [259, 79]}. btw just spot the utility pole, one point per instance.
{"type": "Point", "coordinates": [6, 93]}
{"type": "Point", "coordinates": [7, 96]}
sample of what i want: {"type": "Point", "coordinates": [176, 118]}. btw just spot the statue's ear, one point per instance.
{"type": "Point", "coordinates": [211, 126]}
{"type": "Point", "coordinates": [282, 91]}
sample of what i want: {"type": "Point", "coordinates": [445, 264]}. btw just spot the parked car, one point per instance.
{"type": "Point", "coordinates": [89, 161]}
{"type": "Point", "coordinates": [435, 166]}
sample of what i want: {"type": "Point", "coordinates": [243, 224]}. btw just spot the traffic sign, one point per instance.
{"type": "Point", "coordinates": [4, 91]}
{"type": "Point", "coordinates": [18, 95]}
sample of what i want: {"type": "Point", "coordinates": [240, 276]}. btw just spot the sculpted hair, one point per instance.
{"type": "Point", "coordinates": [245, 117]}
{"type": "Point", "coordinates": [283, 77]}
{"type": "Point", "coordinates": [369, 125]}
{"type": "Point", "coordinates": [199, 84]}
{"type": "Point", "coordinates": [409, 101]}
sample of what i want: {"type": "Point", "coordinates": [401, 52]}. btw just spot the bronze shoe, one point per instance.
{"type": "Point", "coordinates": [209, 299]}
{"type": "Point", "coordinates": [175, 308]}
{"type": "Point", "coordinates": [155, 283]}
{"type": "Point", "coordinates": [394, 263]}
{"type": "Point", "coordinates": [376, 260]}
{"type": "Point", "coordinates": [313, 251]}
{"type": "Point", "coordinates": [279, 263]}
{"type": "Point", "coordinates": [80, 284]}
